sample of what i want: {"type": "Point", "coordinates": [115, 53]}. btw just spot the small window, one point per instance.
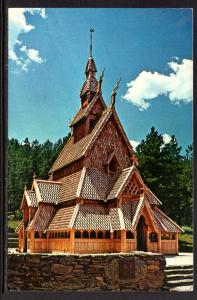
{"type": "Point", "coordinates": [59, 235]}
{"type": "Point", "coordinates": [153, 237]}
{"type": "Point", "coordinates": [36, 235]}
{"type": "Point", "coordinates": [100, 235]}
{"type": "Point", "coordinates": [77, 234]}
{"type": "Point", "coordinates": [44, 235]}
{"type": "Point", "coordinates": [62, 235]}
{"type": "Point", "coordinates": [65, 234]}
{"type": "Point", "coordinates": [85, 235]}
{"type": "Point", "coordinates": [55, 235]}
{"type": "Point", "coordinates": [107, 235]}
{"type": "Point", "coordinates": [68, 235]}
{"type": "Point", "coordinates": [172, 236]}
{"type": "Point", "coordinates": [165, 236]}
{"type": "Point", "coordinates": [129, 235]}
{"type": "Point", "coordinates": [92, 234]}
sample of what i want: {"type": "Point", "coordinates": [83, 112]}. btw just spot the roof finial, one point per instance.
{"type": "Point", "coordinates": [100, 81]}
{"type": "Point", "coordinates": [34, 176]}
{"type": "Point", "coordinates": [114, 92]}
{"type": "Point", "coordinates": [25, 188]}
{"type": "Point", "coordinates": [91, 30]}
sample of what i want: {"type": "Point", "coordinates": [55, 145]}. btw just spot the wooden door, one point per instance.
{"type": "Point", "coordinates": [141, 234]}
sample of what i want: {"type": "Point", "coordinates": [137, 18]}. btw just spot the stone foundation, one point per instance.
{"type": "Point", "coordinates": [98, 272]}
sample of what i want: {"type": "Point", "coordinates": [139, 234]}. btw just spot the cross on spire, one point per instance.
{"type": "Point", "coordinates": [91, 31]}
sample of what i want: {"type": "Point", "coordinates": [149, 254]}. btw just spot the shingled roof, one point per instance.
{"type": "Point", "coordinates": [62, 218]}
{"type": "Point", "coordinates": [30, 197]}
{"type": "Point", "coordinates": [84, 111]}
{"type": "Point", "coordinates": [92, 217]}
{"type": "Point", "coordinates": [73, 151]}
{"type": "Point", "coordinates": [42, 217]}
{"type": "Point", "coordinates": [69, 186]}
{"type": "Point", "coordinates": [164, 223]}
{"type": "Point", "coordinates": [47, 191]}
{"type": "Point", "coordinates": [152, 199]}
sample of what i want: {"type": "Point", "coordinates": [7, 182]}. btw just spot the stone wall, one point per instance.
{"type": "Point", "coordinates": [98, 272]}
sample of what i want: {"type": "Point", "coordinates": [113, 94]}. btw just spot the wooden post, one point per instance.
{"type": "Point", "coordinates": [31, 242]}
{"type": "Point", "coordinates": [135, 238]}
{"type": "Point", "coordinates": [159, 242]}
{"type": "Point", "coordinates": [123, 241]}
{"type": "Point", "coordinates": [72, 240]}
{"type": "Point", "coordinates": [112, 241]}
{"type": "Point", "coordinates": [177, 243]}
{"type": "Point", "coordinates": [147, 240]}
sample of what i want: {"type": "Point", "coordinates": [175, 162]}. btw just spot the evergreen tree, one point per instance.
{"type": "Point", "coordinates": [168, 174]}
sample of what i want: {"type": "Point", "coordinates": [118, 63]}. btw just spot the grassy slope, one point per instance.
{"type": "Point", "coordinates": [186, 240]}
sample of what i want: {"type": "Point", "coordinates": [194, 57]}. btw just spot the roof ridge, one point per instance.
{"type": "Point", "coordinates": [146, 187]}
{"type": "Point", "coordinates": [48, 181]}
{"type": "Point", "coordinates": [137, 213]}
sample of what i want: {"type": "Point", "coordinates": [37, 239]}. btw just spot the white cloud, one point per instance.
{"type": "Point", "coordinates": [177, 86]}
{"type": "Point", "coordinates": [134, 144]}
{"type": "Point", "coordinates": [17, 25]}
{"type": "Point", "coordinates": [32, 54]}
{"type": "Point", "coordinates": [166, 138]}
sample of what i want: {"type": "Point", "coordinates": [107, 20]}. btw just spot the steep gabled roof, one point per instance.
{"type": "Point", "coordinates": [70, 185]}
{"type": "Point", "coordinates": [42, 217]}
{"type": "Point", "coordinates": [95, 184]}
{"type": "Point", "coordinates": [164, 223]}
{"type": "Point", "coordinates": [84, 111]}
{"type": "Point", "coordinates": [120, 180]}
{"type": "Point", "coordinates": [73, 151]}
{"type": "Point", "coordinates": [131, 212]}
{"type": "Point", "coordinates": [47, 191]}
{"type": "Point", "coordinates": [29, 197]}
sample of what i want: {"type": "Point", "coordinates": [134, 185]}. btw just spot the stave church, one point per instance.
{"type": "Point", "coordinates": [95, 200]}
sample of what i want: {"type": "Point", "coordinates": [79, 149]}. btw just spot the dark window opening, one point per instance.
{"type": "Point", "coordinates": [77, 234]}
{"type": "Point", "coordinates": [44, 235]}
{"type": "Point", "coordinates": [85, 235]}
{"type": "Point", "coordinates": [100, 235]}
{"type": "Point", "coordinates": [129, 235]}
{"type": "Point", "coordinates": [153, 237]}
{"type": "Point", "coordinates": [107, 235]}
{"type": "Point", "coordinates": [92, 234]}
{"type": "Point", "coordinates": [36, 235]}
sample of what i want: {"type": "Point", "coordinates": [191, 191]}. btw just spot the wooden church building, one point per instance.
{"type": "Point", "coordinates": [95, 200]}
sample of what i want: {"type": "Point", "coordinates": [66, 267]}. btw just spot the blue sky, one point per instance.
{"type": "Point", "coordinates": [150, 49]}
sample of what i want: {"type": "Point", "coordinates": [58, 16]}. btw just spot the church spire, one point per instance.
{"type": "Point", "coordinates": [91, 31]}
{"type": "Point", "coordinates": [90, 85]}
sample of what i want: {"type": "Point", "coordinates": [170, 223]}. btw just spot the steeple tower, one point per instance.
{"type": "Point", "coordinates": [90, 85]}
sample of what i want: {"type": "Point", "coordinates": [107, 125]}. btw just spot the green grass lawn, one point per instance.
{"type": "Point", "coordinates": [186, 240]}
{"type": "Point", "coordinates": [12, 224]}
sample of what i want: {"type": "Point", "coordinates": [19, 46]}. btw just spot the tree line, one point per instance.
{"type": "Point", "coordinates": [166, 171]}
